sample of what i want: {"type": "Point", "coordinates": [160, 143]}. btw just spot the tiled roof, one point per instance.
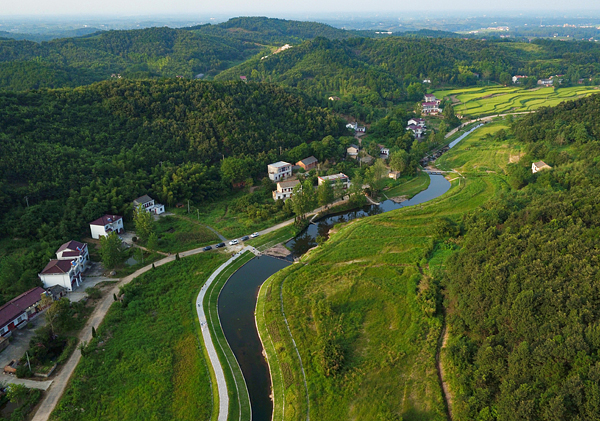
{"type": "Point", "coordinates": [308, 161]}
{"type": "Point", "coordinates": [71, 245]}
{"type": "Point", "coordinates": [286, 184]}
{"type": "Point", "coordinates": [106, 219]}
{"type": "Point", "coordinates": [16, 306]}
{"type": "Point", "coordinates": [57, 266]}
{"type": "Point", "coordinates": [143, 199]}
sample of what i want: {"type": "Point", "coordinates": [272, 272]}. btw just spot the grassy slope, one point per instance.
{"type": "Point", "coordinates": [368, 274]}
{"type": "Point", "coordinates": [149, 365]}
{"type": "Point", "coordinates": [498, 99]}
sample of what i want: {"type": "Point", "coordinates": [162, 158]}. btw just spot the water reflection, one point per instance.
{"type": "Point", "coordinates": [307, 239]}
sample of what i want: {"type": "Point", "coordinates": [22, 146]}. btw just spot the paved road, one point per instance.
{"type": "Point", "coordinates": [32, 384]}
{"type": "Point", "coordinates": [208, 343]}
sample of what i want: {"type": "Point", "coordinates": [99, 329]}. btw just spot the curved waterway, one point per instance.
{"type": "Point", "coordinates": [238, 297]}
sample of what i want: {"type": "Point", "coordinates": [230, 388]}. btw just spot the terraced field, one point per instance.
{"type": "Point", "coordinates": [480, 101]}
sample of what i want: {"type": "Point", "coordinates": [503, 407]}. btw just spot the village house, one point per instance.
{"type": "Point", "coordinates": [103, 226]}
{"type": "Point", "coordinates": [354, 126]}
{"type": "Point", "coordinates": [417, 130]}
{"type": "Point", "coordinates": [352, 151]}
{"type": "Point", "coordinates": [16, 313]}
{"type": "Point", "coordinates": [334, 98]}
{"type": "Point", "coordinates": [517, 79]}
{"type": "Point", "coordinates": [56, 292]}
{"type": "Point", "coordinates": [74, 250]}
{"type": "Point", "coordinates": [539, 166]}
{"type": "Point", "coordinates": [394, 175]}
{"type": "Point", "coordinates": [430, 108]}
{"type": "Point", "coordinates": [279, 170]}
{"type": "Point", "coordinates": [308, 163]}
{"type": "Point", "coordinates": [426, 80]}
{"type": "Point", "coordinates": [66, 273]}
{"type": "Point", "coordinates": [419, 122]}
{"type": "Point", "coordinates": [332, 179]}
{"type": "Point", "coordinates": [383, 151]}
{"type": "Point", "coordinates": [432, 98]}
{"type": "Point", "coordinates": [148, 204]}
{"type": "Point", "coordinates": [285, 189]}
{"type": "Point", "coordinates": [545, 82]}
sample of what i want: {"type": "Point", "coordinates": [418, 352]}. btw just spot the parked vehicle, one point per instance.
{"type": "Point", "coordinates": [220, 245]}
{"type": "Point", "coordinates": [244, 238]}
{"type": "Point", "coordinates": [233, 242]}
{"type": "Point", "coordinates": [207, 248]}
{"type": "Point", "coordinates": [254, 235]}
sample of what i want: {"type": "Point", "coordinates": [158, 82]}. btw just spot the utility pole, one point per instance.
{"type": "Point", "coordinates": [27, 200]}
{"type": "Point", "coordinates": [188, 206]}
{"type": "Point", "coordinates": [198, 212]}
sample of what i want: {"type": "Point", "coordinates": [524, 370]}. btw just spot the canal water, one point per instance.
{"type": "Point", "coordinates": [236, 312]}
{"type": "Point", "coordinates": [238, 298]}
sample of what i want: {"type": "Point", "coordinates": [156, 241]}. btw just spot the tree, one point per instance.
{"type": "Point", "coordinates": [302, 199]}
{"type": "Point", "coordinates": [234, 170]}
{"type": "Point", "coordinates": [58, 315]}
{"type": "Point", "coordinates": [17, 393]}
{"type": "Point", "coordinates": [399, 160]}
{"type": "Point", "coordinates": [376, 176]}
{"type": "Point", "coordinates": [152, 243]}
{"type": "Point", "coordinates": [144, 223]}
{"type": "Point", "coordinates": [93, 332]}
{"type": "Point", "coordinates": [450, 116]}
{"type": "Point", "coordinates": [110, 250]}
{"type": "Point", "coordinates": [324, 194]}
{"type": "Point", "coordinates": [505, 78]}
{"type": "Point", "coordinates": [355, 192]}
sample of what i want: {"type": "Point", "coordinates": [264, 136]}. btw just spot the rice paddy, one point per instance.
{"type": "Point", "coordinates": [481, 101]}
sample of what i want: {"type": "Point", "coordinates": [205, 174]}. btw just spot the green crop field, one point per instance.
{"type": "Point", "coordinates": [147, 361]}
{"type": "Point", "coordinates": [481, 101]}
{"type": "Point", "coordinates": [362, 310]}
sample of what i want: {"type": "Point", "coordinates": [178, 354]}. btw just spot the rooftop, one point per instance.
{"type": "Point", "coordinates": [10, 310]}
{"type": "Point", "coordinates": [279, 164]}
{"type": "Point", "coordinates": [334, 176]}
{"type": "Point", "coordinates": [106, 219]}
{"type": "Point", "coordinates": [289, 183]}
{"type": "Point", "coordinates": [143, 199]}
{"type": "Point", "coordinates": [71, 245]}
{"type": "Point", "coordinates": [57, 266]}
{"type": "Point", "coordinates": [308, 161]}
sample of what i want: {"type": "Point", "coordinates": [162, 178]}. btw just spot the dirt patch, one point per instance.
{"type": "Point", "coordinates": [515, 158]}
{"type": "Point", "coordinates": [399, 199]}
{"type": "Point", "coordinates": [277, 251]}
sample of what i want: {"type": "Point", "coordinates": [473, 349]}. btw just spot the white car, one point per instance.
{"type": "Point", "coordinates": [233, 242]}
{"type": "Point", "coordinates": [254, 235]}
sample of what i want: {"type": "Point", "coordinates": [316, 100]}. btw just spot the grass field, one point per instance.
{"type": "Point", "coordinates": [478, 154]}
{"type": "Point", "coordinates": [147, 361]}
{"type": "Point", "coordinates": [481, 101]}
{"type": "Point", "coordinates": [364, 311]}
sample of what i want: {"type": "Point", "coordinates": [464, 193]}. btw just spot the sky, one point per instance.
{"type": "Point", "coordinates": [277, 8]}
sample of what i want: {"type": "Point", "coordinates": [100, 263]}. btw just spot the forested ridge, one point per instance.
{"type": "Point", "coordinates": [524, 289]}
{"type": "Point", "coordinates": [79, 153]}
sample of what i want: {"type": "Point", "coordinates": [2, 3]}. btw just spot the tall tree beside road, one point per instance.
{"type": "Point", "coordinates": [324, 194]}
{"type": "Point", "coordinates": [144, 223]}
{"type": "Point", "coordinates": [110, 250]}
{"type": "Point", "coordinates": [303, 199]}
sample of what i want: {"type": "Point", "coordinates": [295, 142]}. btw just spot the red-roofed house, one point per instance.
{"type": "Point", "coordinates": [17, 311]}
{"type": "Point", "coordinates": [430, 107]}
{"type": "Point", "coordinates": [66, 273]}
{"type": "Point", "coordinates": [105, 225]}
{"type": "Point", "coordinates": [74, 250]}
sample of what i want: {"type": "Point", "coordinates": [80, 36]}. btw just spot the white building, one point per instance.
{"type": "Point", "coordinates": [75, 250]}
{"type": "Point", "coordinates": [279, 170]}
{"type": "Point", "coordinates": [105, 225]}
{"type": "Point", "coordinates": [539, 166]}
{"type": "Point", "coordinates": [419, 122]}
{"type": "Point", "coordinates": [383, 151]}
{"type": "Point", "coordinates": [354, 126]}
{"type": "Point", "coordinates": [148, 203]}
{"type": "Point", "coordinates": [332, 179]}
{"type": "Point", "coordinates": [285, 189]}
{"type": "Point", "coordinates": [66, 273]}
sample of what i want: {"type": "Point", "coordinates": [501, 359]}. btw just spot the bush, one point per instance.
{"type": "Point", "coordinates": [23, 371]}
{"type": "Point", "coordinates": [134, 239]}
{"type": "Point", "coordinates": [93, 293]}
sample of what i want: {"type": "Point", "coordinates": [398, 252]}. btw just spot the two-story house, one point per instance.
{"type": "Point", "coordinates": [352, 151]}
{"type": "Point", "coordinates": [285, 189]}
{"type": "Point", "coordinates": [149, 205]}
{"type": "Point", "coordinates": [333, 179]}
{"type": "Point", "coordinates": [16, 313]}
{"type": "Point", "coordinates": [75, 250]}
{"type": "Point", "coordinates": [279, 170]}
{"type": "Point", "coordinates": [66, 273]}
{"type": "Point", "coordinates": [105, 225]}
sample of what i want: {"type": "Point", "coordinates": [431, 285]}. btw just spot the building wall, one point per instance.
{"type": "Point", "coordinates": [97, 231]}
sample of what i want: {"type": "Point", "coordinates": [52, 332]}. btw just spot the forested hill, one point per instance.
{"type": "Point", "coordinates": [151, 52]}
{"type": "Point", "coordinates": [78, 153]}
{"type": "Point", "coordinates": [524, 290]}
{"type": "Point", "coordinates": [144, 53]}
{"type": "Point", "coordinates": [277, 31]}
{"type": "Point", "coordinates": [378, 72]}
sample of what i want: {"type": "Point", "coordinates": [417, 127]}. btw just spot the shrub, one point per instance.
{"type": "Point", "coordinates": [93, 293]}
{"type": "Point", "coordinates": [23, 371]}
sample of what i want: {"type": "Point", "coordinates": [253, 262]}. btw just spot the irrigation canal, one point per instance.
{"type": "Point", "coordinates": [238, 297]}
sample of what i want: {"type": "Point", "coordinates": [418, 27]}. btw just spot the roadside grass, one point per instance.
{"type": "Point", "coordinates": [239, 401]}
{"type": "Point", "coordinates": [231, 224]}
{"type": "Point", "coordinates": [177, 233]}
{"type": "Point", "coordinates": [482, 101]}
{"type": "Point", "coordinates": [125, 270]}
{"type": "Point", "coordinates": [147, 359]}
{"type": "Point", "coordinates": [263, 242]}
{"type": "Point", "coordinates": [372, 290]}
